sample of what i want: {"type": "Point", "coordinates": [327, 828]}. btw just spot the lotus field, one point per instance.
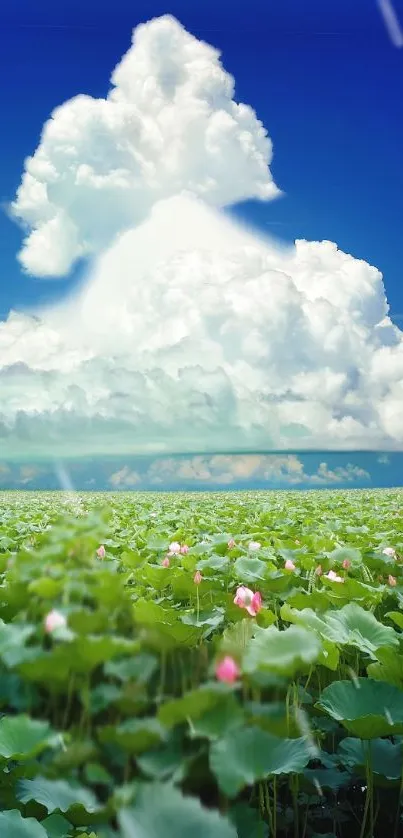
{"type": "Point", "coordinates": [201, 665]}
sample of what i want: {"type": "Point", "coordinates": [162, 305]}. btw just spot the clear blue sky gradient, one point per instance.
{"type": "Point", "coordinates": [323, 76]}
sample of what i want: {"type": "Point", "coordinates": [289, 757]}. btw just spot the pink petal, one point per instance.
{"type": "Point", "coordinates": [227, 670]}
{"type": "Point", "coordinates": [289, 565]}
{"type": "Point", "coordinates": [54, 620]}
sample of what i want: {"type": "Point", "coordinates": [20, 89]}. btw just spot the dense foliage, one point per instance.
{"type": "Point", "coordinates": [139, 700]}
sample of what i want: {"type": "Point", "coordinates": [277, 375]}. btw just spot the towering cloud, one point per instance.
{"type": "Point", "coordinates": [170, 122]}
{"type": "Point", "coordinates": [191, 333]}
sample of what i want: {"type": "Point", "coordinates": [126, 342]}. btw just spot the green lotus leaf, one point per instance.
{"type": "Point", "coordinates": [388, 667]}
{"type": "Point", "coordinates": [282, 652]}
{"type": "Point", "coordinates": [384, 757]}
{"type": "Point", "coordinates": [367, 708]}
{"type": "Point", "coordinates": [193, 704]}
{"type": "Point", "coordinates": [23, 738]}
{"type": "Point", "coordinates": [133, 735]}
{"type": "Point", "coordinates": [162, 810]}
{"type": "Point", "coordinates": [57, 827]}
{"type": "Point", "coordinates": [56, 795]}
{"type": "Point", "coordinates": [250, 754]}
{"type": "Point", "coordinates": [248, 569]}
{"type": "Point", "coordinates": [13, 825]}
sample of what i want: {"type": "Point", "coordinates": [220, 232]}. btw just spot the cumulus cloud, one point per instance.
{"type": "Point", "coordinates": [275, 469]}
{"type": "Point", "coordinates": [191, 333]}
{"type": "Point", "coordinates": [383, 460]}
{"type": "Point", "coordinates": [212, 339]}
{"type": "Point", "coordinates": [124, 478]}
{"type": "Point", "coordinates": [170, 122]}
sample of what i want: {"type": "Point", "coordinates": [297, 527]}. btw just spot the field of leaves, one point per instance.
{"type": "Point", "coordinates": [205, 665]}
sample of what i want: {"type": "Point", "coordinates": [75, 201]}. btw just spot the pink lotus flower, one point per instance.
{"type": "Point", "coordinates": [254, 545]}
{"type": "Point", "coordinates": [227, 670]}
{"type": "Point", "coordinates": [166, 562]}
{"type": "Point", "coordinates": [346, 564]}
{"type": "Point", "coordinates": [197, 577]}
{"type": "Point", "coordinates": [289, 565]}
{"type": "Point", "coordinates": [101, 552]}
{"type": "Point", "coordinates": [174, 548]}
{"type": "Point", "coordinates": [319, 570]}
{"type": "Point", "coordinates": [184, 549]}
{"type": "Point", "coordinates": [54, 620]}
{"type": "Point", "coordinates": [389, 551]}
{"type": "Point", "coordinates": [231, 544]}
{"type": "Point", "coordinates": [333, 576]}
{"type": "Point", "coordinates": [392, 581]}
{"type": "Point", "coordinates": [245, 598]}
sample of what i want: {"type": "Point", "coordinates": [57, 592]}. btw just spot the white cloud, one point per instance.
{"type": "Point", "coordinates": [125, 477]}
{"type": "Point", "coordinates": [383, 460]}
{"type": "Point", "coordinates": [275, 469]}
{"type": "Point", "coordinates": [169, 122]}
{"type": "Point", "coordinates": [190, 333]}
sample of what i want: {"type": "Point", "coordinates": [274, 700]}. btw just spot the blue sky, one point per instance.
{"type": "Point", "coordinates": [293, 351]}
{"type": "Point", "coordinates": [324, 78]}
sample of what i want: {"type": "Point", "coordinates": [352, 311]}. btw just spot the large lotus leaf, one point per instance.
{"type": "Point", "coordinates": [13, 825]}
{"type": "Point", "coordinates": [281, 652]}
{"type": "Point", "coordinates": [148, 613]}
{"type": "Point", "coordinates": [57, 827]}
{"type": "Point", "coordinates": [194, 704]}
{"type": "Point", "coordinates": [330, 655]}
{"type": "Point", "coordinates": [351, 589]}
{"type": "Point", "coordinates": [236, 637]}
{"type": "Point", "coordinates": [133, 735]}
{"type": "Point", "coordinates": [164, 762]}
{"type": "Point", "coordinates": [12, 641]}
{"type": "Point", "coordinates": [384, 757]}
{"type": "Point", "coordinates": [352, 625]}
{"type": "Point", "coordinates": [340, 554]}
{"type": "Point", "coordinates": [310, 620]}
{"type": "Point", "coordinates": [367, 708]}
{"type": "Point", "coordinates": [80, 656]}
{"type": "Point", "coordinates": [272, 717]}
{"type": "Point", "coordinates": [162, 810]}
{"type": "Point", "coordinates": [397, 617]}
{"type": "Point", "coordinates": [362, 628]}
{"type": "Point", "coordinates": [248, 569]}
{"type": "Point", "coordinates": [388, 667]}
{"type": "Point", "coordinates": [212, 617]}
{"type": "Point", "coordinates": [138, 668]}
{"type": "Point", "coordinates": [56, 795]}
{"type": "Point", "coordinates": [23, 738]}
{"type": "Point", "coordinates": [218, 720]}
{"type": "Point", "coordinates": [248, 822]}
{"type": "Point", "coordinates": [250, 754]}
{"type": "Point", "coordinates": [318, 600]}
{"type": "Point", "coordinates": [214, 563]}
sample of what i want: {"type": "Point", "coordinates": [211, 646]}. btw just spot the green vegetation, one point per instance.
{"type": "Point", "coordinates": [139, 700]}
